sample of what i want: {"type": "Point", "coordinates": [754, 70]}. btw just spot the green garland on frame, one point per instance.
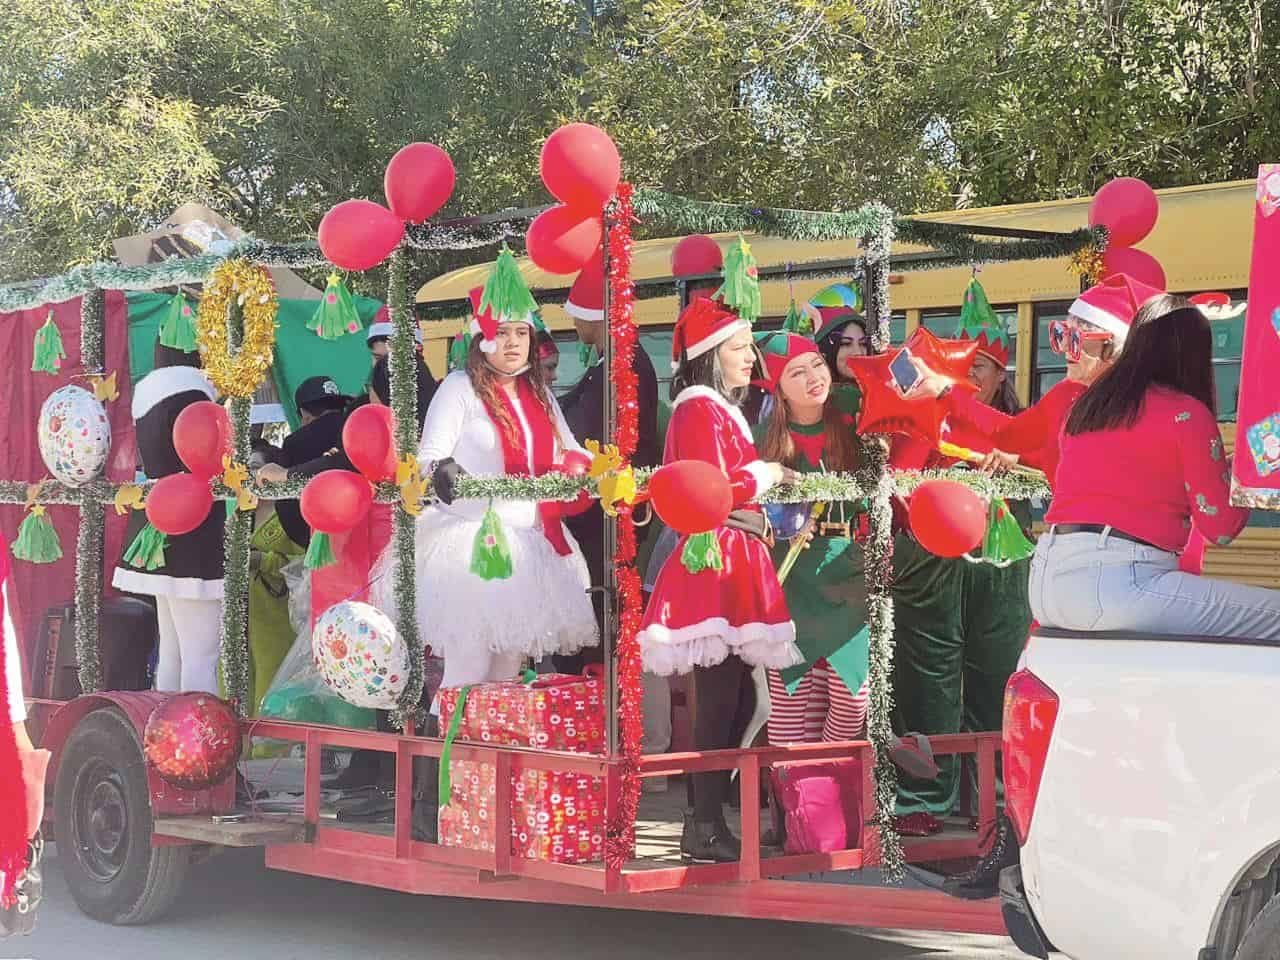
{"type": "Point", "coordinates": [90, 537]}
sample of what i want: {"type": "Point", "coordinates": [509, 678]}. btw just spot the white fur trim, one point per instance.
{"type": "Point", "coordinates": [488, 346]}
{"type": "Point", "coordinates": [164, 382]}
{"type": "Point", "coordinates": [665, 651]}
{"type": "Point", "coordinates": [162, 585]}
{"type": "Point", "coordinates": [714, 340]}
{"type": "Point", "coordinates": [760, 470]}
{"type": "Point", "coordinates": [696, 391]}
{"type": "Point", "coordinates": [583, 313]}
{"type": "Point", "coordinates": [1086, 311]}
{"type": "Point", "coordinates": [379, 330]}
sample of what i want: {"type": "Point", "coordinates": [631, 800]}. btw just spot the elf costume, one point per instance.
{"type": "Point", "coordinates": [823, 698]}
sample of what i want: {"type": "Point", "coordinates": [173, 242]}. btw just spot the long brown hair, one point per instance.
{"type": "Point", "coordinates": [840, 451]}
{"type": "Point", "coordinates": [486, 383]}
{"type": "Point", "coordinates": [1170, 345]}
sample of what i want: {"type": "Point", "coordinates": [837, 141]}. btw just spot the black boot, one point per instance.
{"type": "Point", "coordinates": [709, 843]}
{"type": "Point", "coordinates": [983, 881]}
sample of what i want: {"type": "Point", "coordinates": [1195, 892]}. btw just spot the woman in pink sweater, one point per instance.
{"type": "Point", "coordinates": [1141, 464]}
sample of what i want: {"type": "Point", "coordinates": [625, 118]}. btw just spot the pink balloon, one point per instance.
{"type": "Point", "coordinates": [580, 166]}
{"type": "Point", "coordinates": [1136, 263]}
{"type": "Point", "coordinates": [359, 234]}
{"type": "Point", "coordinates": [1128, 208]}
{"type": "Point", "coordinates": [419, 181]}
{"type": "Point", "coordinates": [562, 239]}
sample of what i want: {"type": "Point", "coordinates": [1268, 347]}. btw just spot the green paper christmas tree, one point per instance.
{"type": "Point", "coordinates": [147, 550]}
{"type": "Point", "coordinates": [505, 292]}
{"type": "Point", "coordinates": [47, 352]}
{"type": "Point", "coordinates": [37, 540]}
{"type": "Point", "coordinates": [1004, 542]}
{"type": "Point", "coordinates": [319, 552]}
{"type": "Point", "coordinates": [741, 287]}
{"type": "Point", "coordinates": [458, 351]}
{"type": "Point", "coordinates": [702, 552]}
{"type": "Point", "coordinates": [797, 321]}
{"type": "Point", "coordinates": [335, 314]}
{"type": "Point", "coordinates": [179, 328]}
{"type": "Point", "coordinates": [490, 553]}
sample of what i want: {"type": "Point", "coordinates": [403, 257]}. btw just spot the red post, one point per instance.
{"type": "Point", "coordinates": [749, 782]}
{"type": "Point", "coordinates": [871, 849]}
{"type": "Point", "coordinates": [311, 778]}
{"type": "Point", "coordinates": [986, 791]}
{"type": "Point", "coordinates": [404, 797]}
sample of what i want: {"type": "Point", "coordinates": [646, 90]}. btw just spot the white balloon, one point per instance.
{"type": "Point", "coordinates": [360, 655]}
{"type": "Point", "coordinates": [74, 435]}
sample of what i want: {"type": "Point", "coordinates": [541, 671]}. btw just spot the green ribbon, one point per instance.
{"type": "Point", "coordinates": [147, 550]}
{"type": "Point", "coordinates": [445, 784]}
{"type": "Point", "coordinates": [702, 552]}
{"type": "Point", "coordinates": [319, 552]}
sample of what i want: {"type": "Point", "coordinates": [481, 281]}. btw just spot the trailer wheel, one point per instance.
{"type": "Point", "coordinates": [102, 807]}
{"type": "Point", "coordinates": [1262, 939]}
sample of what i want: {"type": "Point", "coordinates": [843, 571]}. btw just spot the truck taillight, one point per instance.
{"type": "Point", "coordinates": [1030, 710]}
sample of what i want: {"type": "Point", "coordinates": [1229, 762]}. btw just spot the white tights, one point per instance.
{"type": "Point", "coordinates": [190, 641]}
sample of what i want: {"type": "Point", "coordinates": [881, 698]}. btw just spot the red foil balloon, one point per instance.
{"type": "Point", "coordinates": [562, 239]}
{"type": "Point", "coordinates": [696, 255]}
{"type": "Point", "coordinates": [192, 740]}
{"type": "Point", "coordinates": [335, 501]}
{"type": "Point", "coordinates": [359, 234]}
{"type": "Point", "coordinates": [947, 518]}
{"type": "Point", "coordinates": [368, 439]}
{"type": "Point", "coordinates": [202, 436]}
{"type": "Point", "coordinates": [179, 503]}
{"type": "Point", "coordinates": [419, 181]}
{"type": "Point", "coordinates": [581, 167]}
{"type": "Point", "coordinates": [952, 359]}
{"type": "Point", "coordinates": [885, 410]}
{"type": "Point", "coordinates": [1128, 208]}
{"type": "Point", "coordinates": [1136, 263]}
{"type": "Point", "coordinates": [691, 496]}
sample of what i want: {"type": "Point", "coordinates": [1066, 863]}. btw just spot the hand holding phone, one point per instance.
{"type": "Point", "coordinates": [904, 372]}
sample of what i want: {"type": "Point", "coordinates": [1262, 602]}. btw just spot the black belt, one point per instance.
{"type": "Point", "coordinates": [753, 522]}
{"type": "Point", "coordinates": [1065, 528]}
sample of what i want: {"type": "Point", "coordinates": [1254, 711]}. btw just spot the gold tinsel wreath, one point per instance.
{"type": "Point", "coordinates": [237, 283]}
{"type": "Point", "coordinates": [1086, 264]}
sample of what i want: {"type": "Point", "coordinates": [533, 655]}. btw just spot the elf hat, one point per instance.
{"type": "Point", "coordinates": [382, 328]}
{"type": "Point", "coordinates": [586, 298]}
{"type": "Point", "coordinates": [778, 349]}
{"type": "Point", "coordinates": [1113, 303]}
{"type": "Point", "coordinates": [979, 322]}
{"type": "Point", "coordinates": [703, 325]}
{"type": "Point", "coordinates": [485, 325]}
{"type": "Point", "coordinates": [504, 298]}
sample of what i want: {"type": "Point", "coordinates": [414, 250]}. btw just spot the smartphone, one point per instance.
{"type": "Point", "coordinates": [903, 371]}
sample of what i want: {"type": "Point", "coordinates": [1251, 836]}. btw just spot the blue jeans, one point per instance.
{"type": "Point", "coordinates": [1097, 581]}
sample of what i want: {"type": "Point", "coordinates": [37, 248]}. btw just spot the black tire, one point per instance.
{"type": "Point", "coordinates": [102, 807]}
{"type": "Point", "coordinates": [1262, 939]}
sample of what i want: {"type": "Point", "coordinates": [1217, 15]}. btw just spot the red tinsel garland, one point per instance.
{"type": "Point", "coordinates": [620, 832]}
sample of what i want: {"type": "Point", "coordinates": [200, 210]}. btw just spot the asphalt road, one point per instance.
{"type": "Point", "coordinates": [235, 909]}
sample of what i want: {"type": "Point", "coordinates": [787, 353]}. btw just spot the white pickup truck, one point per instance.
{"type": "Point", "coordinates": [1142, 779]}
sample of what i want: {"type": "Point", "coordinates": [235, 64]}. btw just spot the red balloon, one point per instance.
{"type": "Point", "coordinates": [575, 463]}
{"type": "Point", "coordinates": [419, 181]}
{"type": "Point", "coordinates": [949, 358]}
{"type": "Point", "coordinates": [1136, 263]}
{"type": "Point", "coordinates": [696, 255]}
{"type": "Point", "coordinates": [947, 518]}
{"type": "Point", "coordinates": [335, 501]}
{"type": "Point", "coordinates": [581, 167]}
{"type": "Point", "coordinates": [691, 496]}
{"type": "Point", "coordinates": [562, 239]}
{"type": "Point", "coordinates": [1128, 208]}
{"type": "Point", "coordinates": [359, 234]}
{"type": "Point", "coordinates": [192, 740]}
{"type": "Point", "coordinates": [885, 410]}
{"type": "Point", "coordinates": [201, 436]}
{"type": "Point", "coordinates": [368, 437]}
{"type": "Point", "coordinates": [179, 503]}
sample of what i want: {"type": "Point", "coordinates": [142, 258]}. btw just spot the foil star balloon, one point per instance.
{"type": "Point", "coordinates": [952, 359]}
{"type": "Point", "coordinates": [885, 409]}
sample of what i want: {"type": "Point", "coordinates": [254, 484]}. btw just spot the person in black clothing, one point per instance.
{"type": "Point", "coordinates": [583, 408]}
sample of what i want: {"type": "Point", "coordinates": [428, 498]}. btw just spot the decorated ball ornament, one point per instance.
{"type": "Point", "coordinates": [192, 740]}
{"type": "Point", "coordinates": [368, 437]}
{"type": "Point", "coordinates": [580, 166]}
{"type": "Point", "coordinates": [691, 496]}
{"type": "Point", "coordinates": [74, 435]}
{"type": "Point", "coordinates": [561, 240]}
{"type": "Point", "coordinates": [202, 436]}
{"type": "Point", "coordinates": [1138, 264]}
{"type": "Point", "coordinates": [359, 234]}
{"type": "Point", "coordinates": [179, 503]}
{"type": "Point", "coordinates": [360, 655]}
{"type": "Point", "coordinates": [947, 518]}
{"type": "Point", "coordinates": [1128, 208]}
{"type": "Point", "coordinates": [419, 181]}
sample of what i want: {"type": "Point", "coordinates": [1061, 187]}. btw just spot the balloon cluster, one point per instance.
{"type": "Point", "coordinates": [360, 234]}
{"type": "Point", "coordinates": [192, 740]}
{"type": "Point", "coordinates": [202, 436]}
{"type": "Point", "coordinates": [581, 167]}
{"type": "Point", "coordinates": [1128, 208]}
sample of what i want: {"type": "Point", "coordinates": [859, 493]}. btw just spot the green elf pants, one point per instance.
{"type": "Point", "coordinates": [959, 629]}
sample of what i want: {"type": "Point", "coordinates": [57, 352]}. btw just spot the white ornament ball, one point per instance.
{"type": "Point", "coordinates": [360, 655]}
{"type": "Point", "coordinates": [74, 435]}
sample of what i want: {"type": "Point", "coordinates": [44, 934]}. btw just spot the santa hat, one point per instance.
{"type": "Point", "coordinates": [979, 322]}
{"type": "Point", "coordinates": [383, 327]}
{"type": "Point", "coordinates": [1217, 306]}
{"type": "Point", "coordinates": [703, 326]}
{"type": "Point", "coordinates": [1113, 303]}
{"type": "Point", "coordinates": [586, 298]}
{"type": "Point", "coordinates": [503, 299]}
{"type": "Point", "coordinates": [778, 349]}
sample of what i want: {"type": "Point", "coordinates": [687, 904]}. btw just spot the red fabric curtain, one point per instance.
{"type": "Point", "coordinates": [38, 587]}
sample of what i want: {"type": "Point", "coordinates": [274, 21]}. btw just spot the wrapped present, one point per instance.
{"type": "Point", "coordinates": [556, 815]}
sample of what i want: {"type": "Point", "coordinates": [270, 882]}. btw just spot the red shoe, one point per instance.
{"type": "Point", "coordinates": [917, 825]}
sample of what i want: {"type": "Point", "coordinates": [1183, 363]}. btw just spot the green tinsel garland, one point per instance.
{"type": "Point", "coordinates": [92, 312]}
{"type": "Point", "coordinates": [89, 545]}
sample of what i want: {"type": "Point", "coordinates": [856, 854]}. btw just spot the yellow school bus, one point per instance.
{"type": "Point", "coordinates": [1202, 240]}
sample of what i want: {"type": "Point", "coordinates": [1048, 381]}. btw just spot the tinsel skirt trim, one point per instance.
{"type": "Point", "coordinates": [160, 585]}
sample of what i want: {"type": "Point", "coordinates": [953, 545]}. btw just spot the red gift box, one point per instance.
{"type": "Point", "coordinates": [556, 816]}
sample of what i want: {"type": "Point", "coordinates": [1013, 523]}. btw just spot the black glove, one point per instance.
{"type": "Point", "coordinates": [444, 479]}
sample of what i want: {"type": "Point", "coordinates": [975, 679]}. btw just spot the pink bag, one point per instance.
{"type": "Point", "coordinates": [821, 803]}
